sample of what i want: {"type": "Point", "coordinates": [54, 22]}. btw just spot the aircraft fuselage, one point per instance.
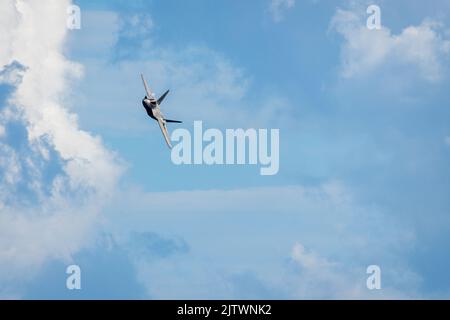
{"type": "Point", "coordinates": [149, 106]}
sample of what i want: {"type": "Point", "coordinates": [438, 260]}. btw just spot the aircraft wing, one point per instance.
{"type": "Point", "coordinates": [147, 89]}
{"type": "Point", "coordinates": [162, 125]}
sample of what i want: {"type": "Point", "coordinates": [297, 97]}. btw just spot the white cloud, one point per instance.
{"type": "Point", "coordinates": [58, 222]}
{"type": "Point", "coordinates": [308, 260]}
{"type": "Point", "coordinates": [316, 277]}
{"type": "Point", "coordinates": [277, 8]}
{"type": "Point", "coordinates": [10, 166]}
{"type": "Point", "coordinates": [12, 74]}
{"type": "Point", "coordinates": [325, 217]}
{"type": "Point", "coordinates": [422, 47]}
{"type": "Point", "coordinates": [136, 25]}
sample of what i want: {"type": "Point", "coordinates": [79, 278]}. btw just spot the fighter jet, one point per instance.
{"type": "Point", "coordinates": [151, 105]}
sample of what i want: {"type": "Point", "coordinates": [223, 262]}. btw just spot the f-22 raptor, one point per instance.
{"type": "Point", "coordinates": [151, 105]}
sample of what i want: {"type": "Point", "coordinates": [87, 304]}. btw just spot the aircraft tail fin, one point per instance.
{"type": "Point", "coordinates": [162, 97]}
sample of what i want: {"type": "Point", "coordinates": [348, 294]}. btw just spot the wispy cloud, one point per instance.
{"type": "Point", "coordinates": [326, 218]}
{"type": "Point", "coordinates": [316, 277]}
{"type": "Point", "coordinates": [212, 89]}
{"type": "Point", "coordinates": [278, 8]}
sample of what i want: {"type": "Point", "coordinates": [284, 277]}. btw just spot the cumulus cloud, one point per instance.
{"type": "Point", "coordinates": [423, 47]}
{"type": "Point", "coordinates": [277, 8]}
{"type": "Point", "coordinates": [45, 213]}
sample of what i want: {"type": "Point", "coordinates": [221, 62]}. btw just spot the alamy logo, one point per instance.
{"type": "Point", "coordinates": [374, 20]}
{"type": "Point", "coordinates": [74, 279]}
{"type": "Point", "coordinates": [73, 17]}
{"type": "Point", "coordinates": [238, 146]}
{"type": "Point", "coordinates": [374, 279]}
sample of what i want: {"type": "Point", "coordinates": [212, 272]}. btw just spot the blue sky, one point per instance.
{"type": "Point", "coordinates": [364, 150]}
